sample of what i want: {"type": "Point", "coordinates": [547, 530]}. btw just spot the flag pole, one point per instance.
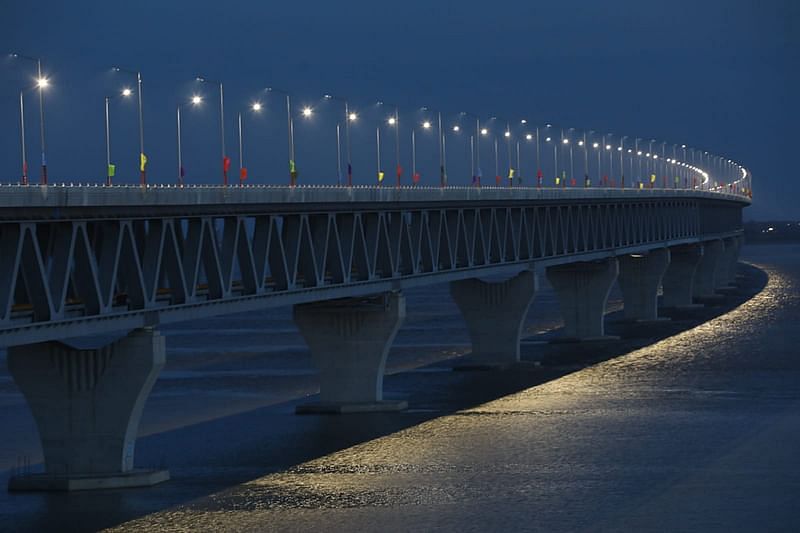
{"type": "Point", "coordinates": [41, 122]}
{"type": "Point", "coordinates": [378, 150]}
{"type": "Point", "coordinates": [180, 156]}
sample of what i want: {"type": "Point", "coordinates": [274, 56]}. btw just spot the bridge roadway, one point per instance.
{"type": "Point", "coordinates": [84, 260]}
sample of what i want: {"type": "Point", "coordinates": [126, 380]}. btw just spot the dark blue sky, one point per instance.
{"type": "Point", "coordinates": [721, 75]}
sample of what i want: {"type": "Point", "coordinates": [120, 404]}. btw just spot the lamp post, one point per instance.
{"type": "Point", "coordinates": [394, 121]}
{"type": "Point", "coordinates": [41, 83]}
{"type": "Point", "coordinates": [226, 162]}
{"type": "Point", "coordinates": [22, 138]}
{"type": "Point", "coordinates": [142, 156]}
{"type": "Point", "coordinates": [348, 117]}
{"type": "Point", "coordinates": [289, 133]}
{"type": "Point", "coordinates": [475, 147]}
{"type": "Point", "coordinates": [582, 143]}
{"type": "Point", "coordinates": [111, 170]}
{"type": "Point", "coordinates": [196, 100]}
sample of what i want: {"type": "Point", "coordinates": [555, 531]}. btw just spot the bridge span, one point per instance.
{"type": "Point", "coordinates": [80, 261]}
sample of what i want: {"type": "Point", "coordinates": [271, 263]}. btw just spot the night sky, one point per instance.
{"type": "Point", "coordinates": [721, 75]}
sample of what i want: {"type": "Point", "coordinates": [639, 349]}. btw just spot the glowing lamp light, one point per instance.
{"type": "Point", "coordinates": [196, 99]}
{"type": "Point", "coordinates": [391, 121]}
{"type": "Point", "coordinates": [42, 83]}
{"type": "Point", "coordinates": [580, 143]}
{"type": "Point", "coordinates": [639, 152]}
{"type": "Point", "coordinates": [426, 125]}
{"type": "Point", "coordinates": [595, 145]}
{"type": "Point", "coordinates": [565, 141]}
{"type": "Point", "coordinates": [257, 106]}
{"type": "Point", "coordinates": [507, 134]}
{"type": "Point", "coordinates": [307, 111]}
{"type": "Point", "coordinates": [352, 117]}
{"type": "Point", "coordinates": [547, 140]}
{"type": "Point", "coordinates": [608, 147]}
{"type": "Point", "coordinates": [456, 128]}
{"type": "Point", "coordinates": [529, 136]}
{"type": "Point", "coordinates": [126, 92]}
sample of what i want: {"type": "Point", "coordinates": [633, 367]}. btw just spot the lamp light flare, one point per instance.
{"type": "Point", "coordinates": [580, 143]}
{"type": "Point", "coordinates": [523, 121]}
{"type": "Point", "coordinates": [391, 121]}
{"type": "Point", "coordinates": [565, 141]}
{"type": "Point", "coordinates": [595, 145]}
{"type": "Point", "coordinates": [196, 99]}
{"type": "Point", "coordinates": [456, 128]}
{"type": "Point", "coordinates": [547, 140]}
{"type": "Point", "coordinates": [352, 117]}
{"type": "Point", "coordinates": [42, 83]}
{"type": "Point", "coordinates": [126, 92]}
{"type": "Point", "coordinates": [529, 136]}
{"type": "Point", "coordinates": [307, 111]}
{"type": "Point", "coordinates": [484, 131]}
{"type": "Point", "coordinates": [507, 134]}
{"type": "Point", "coordinates": [426, 125]}
{"type": "Point", "coordinates": [256, 106]}
{"type": "Point", "coordinates": [608, 147]}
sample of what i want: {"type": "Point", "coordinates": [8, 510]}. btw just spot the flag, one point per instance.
{"type": "Point", "coordinates": [380, 176]}
{"type": "Point", "coordinates": [112, 169]}
{"type": "Point", "coordinates": [498, 179]}
{"type": "Point", "coordinates": [242, 173]}
{"type": "Point", "coordinates": [226, 163]}
{"type": "Point", "coordinates": [142, 162]}
{"type": "Point", "coordinates": [539, 177]}
{"type": "Point", "coordinates": [399, 171]}
{"type": "Point", "coordinates": [652, 178]}
{"type": "Point", "coordinates": [511, 173]}
{"type": "Point", "coordinates": [415, 178]}
{"type": "Point", "coordinates": [558, 180]}
{"type": "Point", "coordinates": [293, 172]}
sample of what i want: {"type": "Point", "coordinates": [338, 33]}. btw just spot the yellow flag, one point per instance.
{"type": "Point", "coordinates": [380, 176]}
{"type": "Point", "coordinates": [142, 162]}
{"type": "Point", "coordinates": [652, 178]}
{"type": "Point", "coordinates": [511, 173]}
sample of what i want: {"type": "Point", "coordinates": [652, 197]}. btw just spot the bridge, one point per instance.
{"type": "Point", "coordinates": [80, 261]}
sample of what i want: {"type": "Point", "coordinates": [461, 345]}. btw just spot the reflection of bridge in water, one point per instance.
{"type": "Point", "coordinates": [79, 261]}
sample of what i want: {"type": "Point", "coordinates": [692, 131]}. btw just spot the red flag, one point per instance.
{"type": "Point", "coordinates": [416, 177]}
{"type": "Point", "coordinates": [226, 163]}
{"type": "Point", "coordinates": [399, 171]}
{"type": "Point", "coordinates": [498, 179]}
{"type": "Point", "coordinates": [243, 173]}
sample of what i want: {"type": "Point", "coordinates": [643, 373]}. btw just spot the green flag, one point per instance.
{"type": "Point", "coordinates": [112, 169]}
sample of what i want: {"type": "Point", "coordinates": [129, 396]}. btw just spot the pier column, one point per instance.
{"type": "Point", "coordinates": [705, 279]}
{"type": "Point", "coordinates": [678, 281]}
{"type": "Point", "coordinates": [727, 268]}
{"type": "Point", "coordinates": [583, 290]}
{"type": "Point", "coordinates": [495, 314]}
{"type": "Point", "coordinates": [639, 279]}
{"type": "Point", "coordinates": [87, 405]}
{"type": "Point", "coordinates": [349, 341]}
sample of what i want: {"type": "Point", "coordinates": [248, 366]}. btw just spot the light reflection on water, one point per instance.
{"type": "Point", "coordinates": [633, 442]}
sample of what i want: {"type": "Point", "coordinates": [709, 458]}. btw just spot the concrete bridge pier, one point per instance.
{"type": "Point", "coordinates": [639, 278]}
{"type": "Point", "coordinates": [705, 279]}
{"type": "Point", "coordinates": [87, 405]}
{"type": "Point", "coordinates": [349, 341]}
{"type": "Point", "coordinates": [495, 314]}
{"type": "Point", "coordinates": [583, 290]}
{"type": "Point", "coordinates": [678, 281]}
{"type": "Point", "coordinates": [727, 268]}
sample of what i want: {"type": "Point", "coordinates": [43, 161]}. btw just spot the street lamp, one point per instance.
{"type": "Point", "coordinates": [111, 169]}
{"type": "Point", "coordinates": [142, 156]}
{"type": "Point", "coordinates": [290, 134]}
{"type": "Point", "coordinates": [476, 148]}
{"type": "Point", "coordinates": [41, 84]}
{"type": "Point", "coordinates": [226, 161]}
{"type": "Point", "coordinates": [195, 100]}
{"type": "Point", "coordinates": [348, 117]}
